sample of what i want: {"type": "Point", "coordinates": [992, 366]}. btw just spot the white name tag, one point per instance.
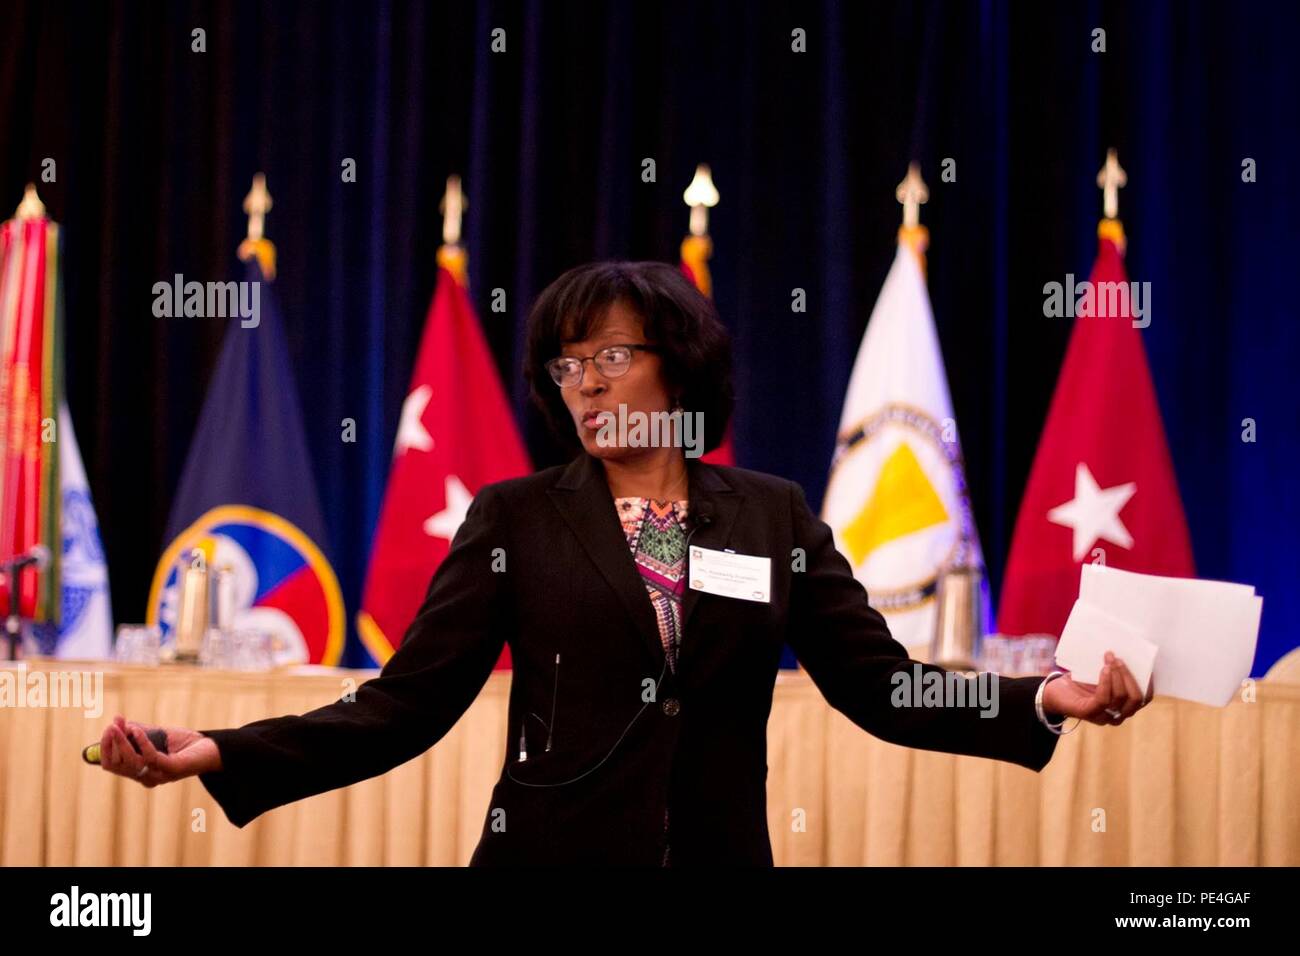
{"type": "Point", "coordinates": [730, 575]}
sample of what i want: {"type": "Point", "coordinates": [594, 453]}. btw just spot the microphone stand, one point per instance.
{"type": "Point", "coordinates": [13, 623]}
{"type": "Point", "coordinates": [12, 570]}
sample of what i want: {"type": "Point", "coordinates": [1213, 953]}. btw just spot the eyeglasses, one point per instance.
{"type": "Point", "coordinates": [613, 362]}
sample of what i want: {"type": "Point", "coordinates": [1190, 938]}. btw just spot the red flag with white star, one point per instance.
{"type": "Point", "coordinates": [1102, 486]}
{"type": "Point", "coordinates": [456, 434]}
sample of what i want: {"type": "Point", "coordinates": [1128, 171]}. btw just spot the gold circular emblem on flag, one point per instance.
{"type": "Point", "coordinates": [898, 503]}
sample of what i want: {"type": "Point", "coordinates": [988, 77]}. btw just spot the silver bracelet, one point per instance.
{"type": "Point", "coordinates": [1038, 706]}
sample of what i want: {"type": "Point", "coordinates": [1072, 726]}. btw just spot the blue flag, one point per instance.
{"type": "Point", "coordinates": [247, 497]}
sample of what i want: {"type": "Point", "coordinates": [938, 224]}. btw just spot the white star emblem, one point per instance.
{"type": "Point", "coordinates": [1094, 512]}
{"type": "Point", "coordinates": [411, 432]}
{"type": "Point", "coordinates": [445, 522]}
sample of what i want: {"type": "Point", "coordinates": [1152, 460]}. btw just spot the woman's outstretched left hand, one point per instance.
{"type": "Point", "coordinates": [1112, 700]}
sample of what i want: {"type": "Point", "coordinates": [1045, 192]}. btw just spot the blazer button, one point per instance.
{"type": "Point", "coordinates": [671, 706]}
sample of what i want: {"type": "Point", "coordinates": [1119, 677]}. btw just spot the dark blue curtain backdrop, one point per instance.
{"type": "Point", "coordinates": [155, 147]}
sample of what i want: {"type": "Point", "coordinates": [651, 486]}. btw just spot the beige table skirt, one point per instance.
{"type": "Point", "coordinates": [1178, 785]}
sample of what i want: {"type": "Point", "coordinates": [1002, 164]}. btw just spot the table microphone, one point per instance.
{"type": "Point", "coordinates": [157, 736]}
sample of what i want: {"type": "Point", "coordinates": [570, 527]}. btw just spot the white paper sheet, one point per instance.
{"type": "Point", "coordinates": [1205, 630]}
{"type": "Point", "coordinates": [1091, 632]}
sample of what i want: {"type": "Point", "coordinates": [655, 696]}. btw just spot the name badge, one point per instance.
{"type": "Point", "coordinates": [732, 575]}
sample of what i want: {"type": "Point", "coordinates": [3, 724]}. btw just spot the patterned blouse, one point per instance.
{"type": "Point", "coordinates": [656, 534]}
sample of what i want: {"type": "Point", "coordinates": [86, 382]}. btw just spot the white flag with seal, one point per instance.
{"type": "Point", "coordinates": [86, 621]}
{"type": "Point", "coordinates": [897, 498]}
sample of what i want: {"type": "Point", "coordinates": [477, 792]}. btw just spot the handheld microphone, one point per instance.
{"type": "Point", "coordinates": [157, 736]}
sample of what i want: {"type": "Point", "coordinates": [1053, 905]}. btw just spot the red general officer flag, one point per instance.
{"type": "Point", "coordinates": [1102, 486]}
{"type": "Point", "coordinates": [456, 435]}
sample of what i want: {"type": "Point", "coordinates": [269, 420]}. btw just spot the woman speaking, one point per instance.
{"type": "Point", "coordinates": [638, 705]}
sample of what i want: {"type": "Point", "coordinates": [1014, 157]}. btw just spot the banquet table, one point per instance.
{"type": "Point", "coordinates": [1179, 784]}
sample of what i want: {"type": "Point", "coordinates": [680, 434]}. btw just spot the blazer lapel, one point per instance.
{"type": "Point", "coordinates": [583, 499]}
{"type": "Point", "coordinates": [711, 496]}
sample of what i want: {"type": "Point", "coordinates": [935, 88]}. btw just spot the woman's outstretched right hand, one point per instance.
{"type": "Point", "coordinates": [188, 753]}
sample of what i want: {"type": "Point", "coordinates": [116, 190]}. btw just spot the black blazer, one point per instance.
{"type": "Point", "coordinates": [640, 757]}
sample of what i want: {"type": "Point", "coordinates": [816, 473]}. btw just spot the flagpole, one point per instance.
{"type": "Point", "coordinates": [451, 255]}
{"type": "Point", "coordinates": [696, 251]}
{"type": "Point", "coordinates": [1110, 180]}
{"type": "Point", "coordinates": [701, 196]}
{"type": "Point", "coordinates": [912, 193]}
{"type": "Point", "coordinates": [31, 207]}
{"type": "Point", "coordinates": [452, 207]}
{"type": "Point", "coordinates": [257, 204]}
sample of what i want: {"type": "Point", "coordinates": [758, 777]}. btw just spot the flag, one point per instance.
{"type": "Point", "coordinates": [247, 497]}
{"type": "Point", "coordinates": [29, 503]}
{"type": "Point", "coordinates": [1102, 486]}
{"type": "Point", "coordinates": [695, 253]}
{"type": "Point", "coordinates": [86, 613]}
{"type": "Point", "coordinates": [456, 434]}
{"type": "Point", "coordinates": [44, 499]}
{"type": "Point", "coordinates": [897, 498]}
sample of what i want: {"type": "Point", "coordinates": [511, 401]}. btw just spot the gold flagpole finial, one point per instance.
{"type": "Point", "coordinates": [31, 207]}
{"type": "Point", "coordinates": [912, 193]}
{"type": "Point", "coordinates": [1111, 178]}
{"type": "Point", "coordinates": [701, 195]}
{"type": "Point", "coordinates": [450, 254]}
{"type": "Point", "coordinates": [452, 207]}
{"type": "Point", "coordinates": [257, 204]}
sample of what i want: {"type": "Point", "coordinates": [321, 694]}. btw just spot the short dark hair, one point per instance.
{"type": "Point", "coordinates": [695, 347]}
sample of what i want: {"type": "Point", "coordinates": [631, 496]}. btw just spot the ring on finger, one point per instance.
{"type": "Point", "coordinates": [143, 770]}
{"type": "Point", "coordinates": [1114, 713]}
